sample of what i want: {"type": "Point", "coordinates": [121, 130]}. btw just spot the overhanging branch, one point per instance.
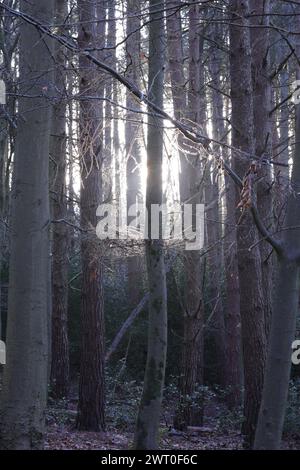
{"type": "Point", "coordinates": [188, 132]}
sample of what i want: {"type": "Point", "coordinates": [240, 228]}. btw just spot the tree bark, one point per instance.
{"type": "Point", "coordinates": [60, 235]}
{"type": "Point", "coordinates": [8, 44]}
{"type": "Point", "coordinates": [91, 384]}
{"type": "Point", "coordinates": [191, 377]}
{"type": "Point", "coordinates": [147, 426]}
{"type": "Point", "coordinates": [234, 359]}
{"type": "Point", "coordinates": [232, 320]}
{"type": "Point", "coordinates": [213, 222]}
{"type": "Point", "coordinates": [24, 394]}
{"type": "Point", "coordinates": [249, 261]}
{"type": "Point", "coordinates": [108, 164]}
{"type": "Point", "coordinates": [283, 137]}
{"type": "Point", "coordinates": [285, 306]}
{"type": "Point", "coordinates": [260, 44]}
{"type": "Point", "coordinates": [133, 136]}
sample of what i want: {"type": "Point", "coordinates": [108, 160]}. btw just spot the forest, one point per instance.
{"type": "Point", "coordinates": [149, 225]}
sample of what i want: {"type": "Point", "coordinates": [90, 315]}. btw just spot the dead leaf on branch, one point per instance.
{"type": "Point", "coordinates": [247, 191]}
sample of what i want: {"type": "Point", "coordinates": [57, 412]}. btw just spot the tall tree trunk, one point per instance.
{"type": "Point", "coordinates": [146, 433]}
{"type": "Point", "coordinates": [232, 320]}
{"type": "Point", "coordinates": [107, 165]}
{"type": "Point", "coordinates": [262, 97]}
{"type": "Point", "coordinates": [8, 44]}
{"type": "Point", "coordinates": [285, 306]}
{"type": "Point", "coordinates": [188, 413]}
{"type": "Point", "coordinates": [191, 175]}
{"type": "Point", "coordinates": [176, 62]}
{"type": "Point", "coordinates": [284, 126]}
{"type": "Point", "coordinates": [60, 236]}
{"type": "Point", "coordinates": [234, 359]}
{"type": "Point", "coordinates": [3, 160]}
{"type": "Point", "coordinates": [215, 264]}
{"type": "Point", "coordinates": [234, 356]}
{"type": "Point", "coordinates": [133, 135]}
{"type": "Point", "coordinates": [213, 222]}
{"type": "Point", "coordinates": [283, 140]}
{"type": "Point", "coordinates": [72, 118]}
{"type": "Point", "coordinates": [23, 399]}
{"type": "Point", "coordinates": [91, 383]}
{"type": "Point", "coordinates": [249, 261]}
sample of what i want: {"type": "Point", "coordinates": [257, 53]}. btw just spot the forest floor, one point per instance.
{"type": "Point", "coordinates": [220, 430]}
{"type": "Point", "coordinates": [214, 435]}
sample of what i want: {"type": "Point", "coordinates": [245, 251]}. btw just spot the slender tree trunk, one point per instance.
{"type": "Point", "coordinates": [285, 306]}
{"type": "Point", "coordinates": [192, 173]}
{"type": "Point", "coordinates": [215, 264]}
{"type": "Point", "coordinates": [234, 354]}
{"type": "Point", "coordinates": [3, 160]}
{"type": "Point", "coordinates": [191, 378]}
{"type": "Point", "coordinates": [234, 359]}
{"type": "Point", "coordinates": [60, 235]}
{"type": "Point", "coordinates": [260, 44]}
{"type": "Point", "coordinates": [112, 140]}
{"type": "Point", "coordinates": [176, 62]}
{"type": "Point", "coordinates": [133, 136]}
{"type": "Point", "coordinates": [232, 321]}
{"type": "Point", "coordinates": [284, 126]}
{"type": "Point", "coordinates": [249, 261]}
{"type": "Point", "coordinates": [91, 384]}
{"type": "Point", "coordinates": [146, 433]}
{"type": "Point", "coordinates": [283, 140]}
{"type": "Point", "coordinates": [107, 165]}
{"type": "Point", "coordinates": [214, 232]}
{"type": "Point", "coordinates": [72, 117]}
{"type": "Point", "coordinates": [8, 46]}
{"type": "Point", "coordinates": [23, 399]}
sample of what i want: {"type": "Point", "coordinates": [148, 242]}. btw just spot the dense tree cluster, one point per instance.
{"type": "Point", "coordinates": [132, 104]}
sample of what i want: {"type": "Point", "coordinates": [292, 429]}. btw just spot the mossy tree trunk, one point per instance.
{"type": "Point", "coordinates": [24, 395]}
{"type": "Point", "coordinates": [283, 327]}
{"type": "Point", "coordinates": [146, 434]}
